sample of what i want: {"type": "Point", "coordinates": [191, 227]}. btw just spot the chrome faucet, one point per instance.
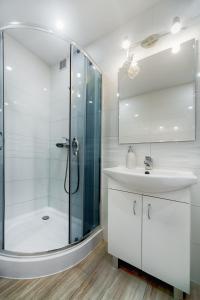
{"type": "Point", "coordinates": [148, 163]}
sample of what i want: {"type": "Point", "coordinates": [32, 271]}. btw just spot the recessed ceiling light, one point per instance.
{"type": "Point", "coordinates": [90, 102]}
{"type": "Point", "coordinates": [126, 104]}
{"type": "Point", "coordinates": [78, 95]}
{"type": "Point", "coordinates": [6, 103]}
{"type": "Point", "coordinates": [190, 107]}
{"type": "Point", "coordinates": [78, 75]}
{"type": "Point", "coordinates": [176, 128]}
{"type": "Point", "coordinates": [176, 48]}
{"type": "Point", "coordinates": [126, 43]}
{"type": "Point", "coordinates": [8, 68]}
{"type": "Point", "coordinates": [161, 127]}
{"type": "Point", "coordinates": [176, 25]}
{"type": "Point", "coordinates": [59, 25]}
{"type": "Point", "coordinates": [117, 95]}
{"type": "Point", "coordinates": [136, 115]}
{"type": "Point", "coordinates": [198, 74]}
{"type": "Point", "coordinates": [45, 89]}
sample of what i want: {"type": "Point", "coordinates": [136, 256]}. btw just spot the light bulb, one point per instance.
{"type": "Point", "coordinates": [176, 48]}
{"type": "Point", "coordinates": [176, 25]}
{"type": "Point", "coordinates": [133, 69]}
{"type": "Point", "coordinates": [126, 44]}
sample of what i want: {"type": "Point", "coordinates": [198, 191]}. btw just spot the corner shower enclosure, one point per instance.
{"type": "Point", "coordinates": [50, 131]}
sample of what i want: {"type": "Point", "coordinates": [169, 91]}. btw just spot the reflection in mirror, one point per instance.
{"type": "Point", "coordinates": [158, 105]}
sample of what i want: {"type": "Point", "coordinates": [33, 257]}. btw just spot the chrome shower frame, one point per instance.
{"type": "Point", "coordinates": [33, 26]}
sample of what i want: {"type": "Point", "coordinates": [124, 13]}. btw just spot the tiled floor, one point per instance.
{"type": "Point", "coordinates": [92, 279]}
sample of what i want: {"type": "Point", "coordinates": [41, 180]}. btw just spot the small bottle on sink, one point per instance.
{"type": "Point", "coordinates": [131, 158]}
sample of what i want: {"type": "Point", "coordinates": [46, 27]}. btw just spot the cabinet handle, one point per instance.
{"type": "Point", "coordinates": [148, 211]}
{"type": "Point", "coordinates": [134, 205]}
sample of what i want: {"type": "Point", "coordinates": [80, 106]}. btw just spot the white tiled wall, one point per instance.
{"type": "Point", "coordinates": [178, 155]}
{"type": "Point", "coordinates": [59, 128]}
{"type": "Point", "coordinates": [36, 118]}
{"type": "Point", "coordinates": [26, 130]}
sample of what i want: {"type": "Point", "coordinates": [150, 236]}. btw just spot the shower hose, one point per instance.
{"type": "Point", "coordinates": [66, 172]}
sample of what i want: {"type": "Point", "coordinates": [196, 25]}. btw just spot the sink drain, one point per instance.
{"type": "Point", "coordinates": [45, 218]}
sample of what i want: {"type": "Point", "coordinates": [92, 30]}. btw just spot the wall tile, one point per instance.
{"type": "Point", "coordinates": [26, 130]}
{"type": "Point", "coordinates": [195, 262]}
{"type": "Point", "coordinates": [13, 211]}
{"type": "Point", "coordinates": [195, 224]}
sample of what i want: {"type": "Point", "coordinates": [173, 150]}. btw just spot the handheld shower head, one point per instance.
{"type": "Point", "coordinates": [64, 144]}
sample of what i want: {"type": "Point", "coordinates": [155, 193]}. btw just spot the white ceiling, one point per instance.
{"type": "Point", "coordinates": [85, 20]}
{"type": "Point", "coordinates": [46, 46]}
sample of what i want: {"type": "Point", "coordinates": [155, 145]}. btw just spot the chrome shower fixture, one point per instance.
{"type": "Point", "coordinates": [64, 144]}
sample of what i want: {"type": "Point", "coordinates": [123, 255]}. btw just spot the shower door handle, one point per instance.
{"type": "Point", "coordinates": [75, 146]}
{"type": "Point", "coordinates": [1, 140]}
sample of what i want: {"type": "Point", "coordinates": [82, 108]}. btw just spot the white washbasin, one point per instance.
{"type": "Point", "coordinates": [158, 181]}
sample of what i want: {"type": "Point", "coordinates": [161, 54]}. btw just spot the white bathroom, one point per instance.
{"type": "Point", "coordinates": [100, 149]}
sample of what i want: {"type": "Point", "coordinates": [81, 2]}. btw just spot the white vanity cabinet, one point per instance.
{"type": "Point", "coordinates": [125, 225]}
{"type": "Point", "coordinates": [166, 241]}
{"type": "Point", "coordinates": [152, 234]}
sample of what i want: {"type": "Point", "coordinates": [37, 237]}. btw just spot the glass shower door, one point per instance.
{"type": "Point", "coordinates": [85, 136]}
{"type": "Point", "coordinates": [1, 146]}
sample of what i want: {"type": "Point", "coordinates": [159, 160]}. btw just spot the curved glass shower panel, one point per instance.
{"type": "Point", "coordinates": [91, 213]}
{"type": "Point", "coordinates": [36, 136]}
{"type": "Point", "coordinates": [1, 147]}
{"type": "Point", "coordinates": [77, 137]}
{"type": "Point", "coordinates": [85, 133]}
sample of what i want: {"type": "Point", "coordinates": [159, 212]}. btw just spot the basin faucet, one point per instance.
{"type": "Point", "coordinates": [148, 163]}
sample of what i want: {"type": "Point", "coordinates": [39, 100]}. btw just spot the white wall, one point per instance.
{"type": "Point", "coordinates": [59, 127]}
{"type": "Point", "coordinates": [182, 155]}
{"type": "Point", "coordinates": [26, 130]}
{"type": "Point", "coordinates": [35, 120]}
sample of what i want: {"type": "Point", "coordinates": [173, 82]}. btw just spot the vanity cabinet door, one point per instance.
{"type": "Point", "coordinates": [124, 226]}
{"type": "Point", "coordinates": [166, 241]}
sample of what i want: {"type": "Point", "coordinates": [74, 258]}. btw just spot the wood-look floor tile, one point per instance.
{"type": "Point", "coordinates": [92, 279]}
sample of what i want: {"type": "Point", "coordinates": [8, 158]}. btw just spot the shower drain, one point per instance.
{"type": "Point", "coordinates": [45, 218]}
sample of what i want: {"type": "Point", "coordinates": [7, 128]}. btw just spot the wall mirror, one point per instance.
{"type": "Point", "coordinates": [158, 105]}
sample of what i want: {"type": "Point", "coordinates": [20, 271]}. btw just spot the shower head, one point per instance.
{"type": "Point", "coordinates": [63, 145]}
